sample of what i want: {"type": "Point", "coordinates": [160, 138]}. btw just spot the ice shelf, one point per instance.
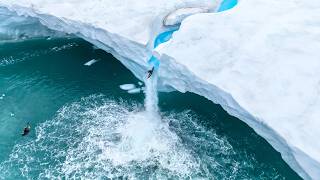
{"type": "Point", "coordinates": [259, 60]}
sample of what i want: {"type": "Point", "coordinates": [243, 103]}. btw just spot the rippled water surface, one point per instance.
{"type": "Point", "coordinates": [85, 126]}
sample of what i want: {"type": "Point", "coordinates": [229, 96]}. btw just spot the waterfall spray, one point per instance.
{"type": "Point", "coordinates": [151, 100]}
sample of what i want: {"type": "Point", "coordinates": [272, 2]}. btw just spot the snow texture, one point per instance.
{"type": "Point", "coordinates": [179, 15]}
{"type": "Point", "coordinates": [259, 60]}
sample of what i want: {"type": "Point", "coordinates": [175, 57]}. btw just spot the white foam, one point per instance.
{"type": "Point", "coordinates": [116, 138]}
{"type": "Point", "coordinates": [96, 138]}
{"type": "Point", "coordinates": [9, 60]}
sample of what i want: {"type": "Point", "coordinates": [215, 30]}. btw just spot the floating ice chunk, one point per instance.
{"type": "Point", "coordinates": [92, 61]}
{"type": "Point", "coordinates": [11, 114]}
{"type": "Point", "coordinates": [134, 91]}
{"type": "Point", "coordinates": [127, 86]}
{"type": "Point", "coordinates": [3, 95]}
{"type": "Point", "coordinates": [140, 83]}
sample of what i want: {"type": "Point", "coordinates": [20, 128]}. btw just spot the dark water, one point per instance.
{"type": "Point", "coordinates": [85, 126]}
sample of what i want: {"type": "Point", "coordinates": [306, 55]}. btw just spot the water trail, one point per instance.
{"type": "Point", "coordinates": [151, 99]}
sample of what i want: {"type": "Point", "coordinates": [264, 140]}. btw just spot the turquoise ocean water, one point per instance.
{"type": "Point", "coordinates": [85, 126]}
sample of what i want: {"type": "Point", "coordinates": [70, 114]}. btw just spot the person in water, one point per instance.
{"type": "Point", "coordinates": [26, 130]}
{"type": "Point", "coordinates": [150, 73]}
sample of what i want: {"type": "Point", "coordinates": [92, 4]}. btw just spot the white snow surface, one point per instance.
{"type": "Point", "coordinates": [260, 60]}
{"type": "Point", "coordinates": [266, 56]}
{"type": "Point", "coordinates": [179, 15]}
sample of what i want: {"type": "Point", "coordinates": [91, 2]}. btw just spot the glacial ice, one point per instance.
{"type": "Point", "coordinates": [127, 86]}
{"type": "Point", "coordinates": [134, 91]}
{"type": "Point", "coordinates": [259, 60]}
{"type": "Point", "coordinates": [92, 61]}
{"type": "Point", "coordinates": [263, 59]}
{"type": "Point", "coordinates": [123, 28]}
{"type": "Point", "coordinates": [13, 27]}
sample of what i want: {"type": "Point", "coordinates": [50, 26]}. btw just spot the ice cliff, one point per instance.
{"type": "Point", "coordinates": [14, 27]}
{"type": "Point", "coordinates": [260, 60]}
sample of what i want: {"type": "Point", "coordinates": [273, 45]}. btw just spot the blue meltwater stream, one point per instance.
{"type": "Point", "coordinates": [167, 35]}
{"type": "Point", "coordinates": [151, 101]}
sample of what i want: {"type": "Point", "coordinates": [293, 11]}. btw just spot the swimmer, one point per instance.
{"type": "Point", "coordinates": [26, 130]}
{"type": "Point", "coordinates": [150, 73]}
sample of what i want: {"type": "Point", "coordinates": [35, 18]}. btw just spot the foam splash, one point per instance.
{"type": "Point", "coordinates": [98, 138]}
{"type": "Point", "coordinates": [94, 138]}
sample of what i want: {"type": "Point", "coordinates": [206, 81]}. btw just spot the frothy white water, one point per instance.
{"type": "Point", "coordinates": [97, 138]}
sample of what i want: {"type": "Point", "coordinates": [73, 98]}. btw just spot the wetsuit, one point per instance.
{"type": "Point", "coordinates": [26, 131]}
{"type": "Point", "coordinates": [150, 73]}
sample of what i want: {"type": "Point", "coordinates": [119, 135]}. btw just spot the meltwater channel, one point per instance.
{"type": "Point", "coordinates": [85, 126]}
